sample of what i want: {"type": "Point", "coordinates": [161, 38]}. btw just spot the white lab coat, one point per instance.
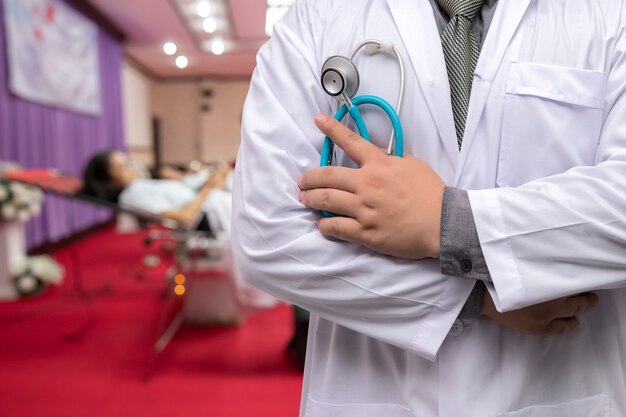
{"type": "Point", "coordinates": [544, 154]}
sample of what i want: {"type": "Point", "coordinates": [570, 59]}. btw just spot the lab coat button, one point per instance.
{"type": "Point", "coordinates": [466, 265]}
{"type": "Point", "coordinates": [457, 328]}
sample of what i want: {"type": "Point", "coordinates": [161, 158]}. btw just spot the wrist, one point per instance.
{"type": "Point", "coordinates": [488, 308]}
{"type": "Point", "coordinates": [434, 246]}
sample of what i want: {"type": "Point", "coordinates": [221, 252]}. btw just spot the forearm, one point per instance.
{"type": "Point", "coordinates": [556, 236]}
{"type": "Point", "coordinates": [190, 213]}
{"type": "Point", "coordinates": [563, 233]}
{"type": "Point", "coordinates": [277, 246]}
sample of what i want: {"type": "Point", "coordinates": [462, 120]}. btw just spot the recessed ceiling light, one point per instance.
{"type": "Point", "coordinates": [203, 8]}
{"type": "Point", "coordinates": [169, 48]}
{"type": "Point", "coordinates": [182, 62]}
{"type": "Point", "coordinates": [218, 47]}
{"type": "Point", "coordinates": [209, 25]}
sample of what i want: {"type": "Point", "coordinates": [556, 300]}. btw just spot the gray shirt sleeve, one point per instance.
{"type": "Point", "coordinates": [474, 304]}
{"type": "Point", "coordinates": [460, 251]}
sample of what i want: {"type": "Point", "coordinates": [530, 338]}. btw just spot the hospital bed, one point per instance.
{"type": "Point", "coordinates": [200, 288]}
{"type": "Point", "coordinates": [58, 183]}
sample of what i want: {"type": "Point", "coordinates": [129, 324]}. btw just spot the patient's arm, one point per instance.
{"type": "Point", "coordinates": [190, 213]}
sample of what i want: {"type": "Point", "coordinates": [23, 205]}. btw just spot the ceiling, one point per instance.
{"type": "Point", "coordinates": [148, 24]}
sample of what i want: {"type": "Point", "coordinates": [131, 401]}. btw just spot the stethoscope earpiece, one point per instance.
{"type": "Point", "coordinates": [340, 77]}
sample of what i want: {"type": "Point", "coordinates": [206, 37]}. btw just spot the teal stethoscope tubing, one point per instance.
{"type": "Point", "coordinates": [360, 124]}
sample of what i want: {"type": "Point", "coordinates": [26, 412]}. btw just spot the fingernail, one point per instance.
{"type": "Point", "coordinates": [300, 183]}
{"type": "Point", "coordinates": [321, 118]}
{"type": "Point", "coordinates": [301, 196]}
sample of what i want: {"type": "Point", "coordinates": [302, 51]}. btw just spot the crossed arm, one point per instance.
{"type": "Point", "coordinates": [402, 219]}
{"type": "Point", "coordinates": [403, 302]}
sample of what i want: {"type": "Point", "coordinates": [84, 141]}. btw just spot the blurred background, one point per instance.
{"type": "Point", "coordinates": [119, 128]}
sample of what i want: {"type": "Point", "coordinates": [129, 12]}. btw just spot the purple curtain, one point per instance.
{"type": "Point", "coordinates": [37, 136]}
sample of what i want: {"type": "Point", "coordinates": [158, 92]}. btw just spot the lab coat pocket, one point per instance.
{"type": "Point", "coordinates": [552, 121]}
{"type": "Point", "coordinates": [596, 406]}
{"type": "Point", "coordinates": [321, 409]}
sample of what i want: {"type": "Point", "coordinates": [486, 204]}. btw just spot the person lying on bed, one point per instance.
{"type": "Point", "coordinates": [110, 175]}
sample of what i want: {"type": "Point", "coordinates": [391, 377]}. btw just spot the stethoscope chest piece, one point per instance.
{"type": "Point", "coordinates": [340, 77]}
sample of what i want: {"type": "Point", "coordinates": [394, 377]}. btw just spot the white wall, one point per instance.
{"type": "Point", "coordinates": [176, 105]}
{"type": "Point", "coordinates": [221, 126]}
{"type": "Point", "coordinates": [190, 133]}
{"type": "Point", "coordinates": [187, 131]}
{"type": "Point", "coordinates": [136, 90]}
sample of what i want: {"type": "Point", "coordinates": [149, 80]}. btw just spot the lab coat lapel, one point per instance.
{"type": "Point", "coordinates": [509, 14]}
{"type": "Point", "coordinates": [416, 23]}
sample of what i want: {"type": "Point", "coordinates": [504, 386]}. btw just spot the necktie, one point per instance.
{"type": "Point", "coordinates": [461, 53]}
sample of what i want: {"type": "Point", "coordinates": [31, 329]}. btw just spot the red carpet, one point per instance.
{"type": "Point", "coordinates": [46, 371]}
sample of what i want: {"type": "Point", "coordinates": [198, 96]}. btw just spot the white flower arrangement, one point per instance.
{"type": "Point", "coordinates": [19, 201]}
{"type": "Point", "coordinates": [32, 274]}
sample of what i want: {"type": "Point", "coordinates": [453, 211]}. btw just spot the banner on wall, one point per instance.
{"type": "Point", "coordinates": [52, 53]}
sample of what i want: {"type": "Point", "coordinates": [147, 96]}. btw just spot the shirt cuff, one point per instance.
{"type": "Point", "coordinates": [461, 254]}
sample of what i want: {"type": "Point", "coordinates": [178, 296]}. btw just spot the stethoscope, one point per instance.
{"type": "Point", "coordinates": [340, 79]}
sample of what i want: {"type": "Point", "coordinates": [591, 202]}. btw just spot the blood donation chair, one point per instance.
{"type": "Point", "coordinates": [201, 290]}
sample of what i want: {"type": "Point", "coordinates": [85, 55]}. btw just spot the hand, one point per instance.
{"type": "Point", "coordinates": [393, 205]}
{"type": "Point", "coordinates": [217, 178]}
{"type": "Point", "coordinates": [169, 173]}
{"type": "Point", "coordinates": [549, 318]}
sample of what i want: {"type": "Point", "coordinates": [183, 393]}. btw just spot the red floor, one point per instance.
{"type": "Point", "coordinates": [47, 369]}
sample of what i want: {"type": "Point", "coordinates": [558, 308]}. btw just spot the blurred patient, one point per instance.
{"type": "Point", "coordinates": [194, 200]}
{"type": "Point", "coordinates": [197, 201]}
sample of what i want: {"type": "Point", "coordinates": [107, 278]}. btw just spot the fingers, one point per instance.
{"type": "Point", "coordinates": [334, 201]}
{"type": "Point", "coordinates": [339, 178]}
{"type": "Point", "coordinates": [560, 326]}
{"type": "Point", "coordinates": [577, 304]}
{"type": "Point", "coordinates": [354, 145]}
{"type": "Point", "coordinates": [545, 319]}
{"type": "Point", "coordinates": [343, 228]}
{"type": "Point", "coordinates": [565, 316]}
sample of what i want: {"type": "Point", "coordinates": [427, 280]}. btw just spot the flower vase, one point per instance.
{"type": "Point", "coordinates": [12, 249]}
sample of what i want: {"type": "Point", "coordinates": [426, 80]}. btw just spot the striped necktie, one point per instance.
{"type": "Point", "coordinates": [461, 53]}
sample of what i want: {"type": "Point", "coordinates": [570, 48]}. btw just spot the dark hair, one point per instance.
{"type": "Point", "coordinates": [97, 180]}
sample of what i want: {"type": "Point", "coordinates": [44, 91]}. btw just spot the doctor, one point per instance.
{"type": "Point", "coordinates": [533, 170]}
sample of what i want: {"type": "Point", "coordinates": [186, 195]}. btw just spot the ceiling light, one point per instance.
{"type": "Point", "coordinates": [203, 8]}
{"type": "Point", "coordinates": [169, 48]}
{"type": "Point", "coordinates": [182, 62]}
{"type": "Point", "coordinates": [273, 15]}
{"type": "Point", "coordinates": [209, 25]}
{"type": "Point", "coordinates": [218, 47]}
